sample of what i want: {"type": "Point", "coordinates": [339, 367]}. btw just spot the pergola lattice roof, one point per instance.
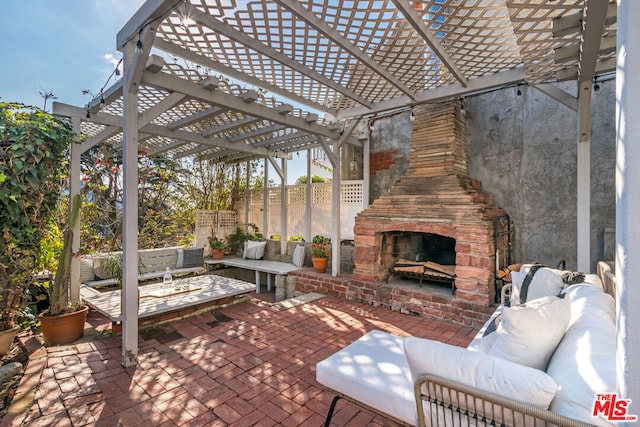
{"type": "Point", "coordinates": [223, 73]}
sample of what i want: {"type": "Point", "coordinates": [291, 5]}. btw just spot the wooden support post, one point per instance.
{"type": "Point", "coordinates": [583, 189]}
{"type": "Point", "coordinates": [74, 189]}
{"type": "Point", "coordinates": [130, 220]}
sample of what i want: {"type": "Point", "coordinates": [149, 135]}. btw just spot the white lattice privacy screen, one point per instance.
{"type": "Point", "coordinates": [220, 223]}
{"type": "Point", "coordinates": [351, 203]}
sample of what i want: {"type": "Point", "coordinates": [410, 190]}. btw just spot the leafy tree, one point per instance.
{"type": "Point", "coordinates": [33, 151]}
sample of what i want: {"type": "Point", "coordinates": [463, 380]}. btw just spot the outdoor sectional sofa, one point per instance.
{"type": "Point", "coordinates": [542, 361]}
{"type": "Point", "coordinates": [152, 264]}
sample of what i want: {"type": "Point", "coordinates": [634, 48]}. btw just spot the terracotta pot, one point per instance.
{"type": "Point", "coordinates": [319, 264]}
{"type": "Point", "coordinates": [6, 339]}
{"type": "Point", "coordinates": [63, 329]}
{"type": "Point", "coordinates": [217, 253]}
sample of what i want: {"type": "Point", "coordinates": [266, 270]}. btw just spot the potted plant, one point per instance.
{"type": "Point", "coordinates": [320, 253]}
{"type": "Point", "coordinates": [63, 323]}
{"type": "Point", "coordinates": [33, 146]}
{"type": "Point", "coordinates": [218, 247]}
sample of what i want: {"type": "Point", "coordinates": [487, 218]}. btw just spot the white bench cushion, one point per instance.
{"type": "Point", "coordinates": [479, 370]}
{"type": "Point", "coordinates": [373, 370]}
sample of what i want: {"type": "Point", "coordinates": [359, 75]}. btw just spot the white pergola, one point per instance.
{"type": "Point", "coordinates": [237, 80]}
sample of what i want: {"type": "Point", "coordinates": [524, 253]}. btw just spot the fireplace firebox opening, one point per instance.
{"type": "Point", "coordinates": [419, 256]}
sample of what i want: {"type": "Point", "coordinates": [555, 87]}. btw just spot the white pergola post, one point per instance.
{"type": "Point", "coordinates": [308, 199]}
{"type": "Point", "coordinates": [74, 190]}
{"type": "Point", "coordinates": [583, 188]}
{"type": "Point", "coordinates": [247, 196]}
{"type": "Point", "coordinates": [335, 213]}
{"type": "Point", "coordinates": [628, 202]}
{"type": "Point", "coordinates": [130, 219]}
{"type": "Point", "coordinates": [265, 200]}
{"type": "Point", "coordinates": [366, 170]}
{"type": "Point", "coordinates": [283, 207]}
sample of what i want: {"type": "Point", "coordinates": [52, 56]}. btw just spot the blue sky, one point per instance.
{"type": "Point", "coordinates": [62, 46]}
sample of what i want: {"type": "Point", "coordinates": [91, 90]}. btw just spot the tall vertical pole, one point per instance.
{"type": "Point", "coordinates": [309, 200]}
{"type": "Point", "coordinates": [628, 202]}
{"type": "Point", "coordinates": [130, 218]}
{"type": "Point", "coordinates": [583, 188]}
{"type": "Point", "coordinates": [265, 200]}
{"type": "Point", "coordinates": [74, 190]}
{"type": "Point", "coordinates": [366, 170]}
{"type": "Point", "coordinates": [335, 214]}
{"type": "Point", "coordinates": [283, 208]}
{"type": "Point", "coordinates": [247, 196]}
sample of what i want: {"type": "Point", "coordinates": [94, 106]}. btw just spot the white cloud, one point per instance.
{"type": "Point", "coordinates": [113, 60]}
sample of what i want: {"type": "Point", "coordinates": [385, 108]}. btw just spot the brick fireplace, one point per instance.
{"type": "Point", "coordinates": [435, 203]}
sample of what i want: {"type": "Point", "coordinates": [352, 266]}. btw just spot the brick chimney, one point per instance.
{"type": "Point", "coordinates": [436, 197]}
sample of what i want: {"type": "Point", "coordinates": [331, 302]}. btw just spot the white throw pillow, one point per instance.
{"type": "Point", "coordinates": [180, 260]}
{"type": "Point", "coordinates": [528, 334]}
{"type": "Point", "coordinates": [86, 270]}
{"type": "Point", "coordinates": [479, 370]}
{"type": "Point", "coordinates": [298, 256]}
{"type": "Point", "coordinates": [254, 249]}
{"type": "Point", "coordinates": [544, 282]}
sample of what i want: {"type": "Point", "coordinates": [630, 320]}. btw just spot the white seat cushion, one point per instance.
{"type": "Point", "coordinates": [374, 371]}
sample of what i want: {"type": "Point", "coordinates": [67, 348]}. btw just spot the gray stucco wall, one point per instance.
{"type": "Point", "coordinates": [523, 150]}
{"type": "Point", "coordinates": [390, 133]}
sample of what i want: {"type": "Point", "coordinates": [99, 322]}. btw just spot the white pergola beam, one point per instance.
{"type": "Point", "coordinates": [558, 94]}
{"type": "Point", "coordinates": [133, 72]}
{"type": "Point", "coordinates": [605, 66]}
{"type": "Point", "coordinates": [346, 134]}
{"type": "Point", "coordinates": [150, 11]}
{"type": "Point", "coordinates": [418, 24]}
{"type": "Point", "coordinates": [165, 148]}
{"type": "Point", "coordinates": [277, 167]}
{"type": "Point", "coordinates": [333, 159]}
{"type": "Point", "coordinates": [572, 52]}
{"type": "Point", "coordinates": [157, 130]}
{"type": "Point", "coordinates": [100, 137]}
{"type": "Point", "coordinates": [109, 95]}
{"type": "Point", "coordinates": [475, 85]}
{"type": "Point", "coordinates": [207, 113]}
{"type": "Point", "coordinates": [266, 50]}
{"type": "Point", "coordinates": [571, 24]}
{"type": "Point", "coordinates": [300, 11]}
{"type": "Point", "coordinates": [595, 13]}
{"type": "Point", "coordinates": [237, 75]}
{"type": "Point", "coordinates": [176, 84]}
{"type": "Point", "coordinates": [212, 142]}
{"type": "Point", "coordinates": [161, 107]}
{"type": "Point", "coordinates": [230, 126]}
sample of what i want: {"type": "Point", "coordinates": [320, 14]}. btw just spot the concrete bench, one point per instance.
{"type": "Point", "coordinates": [152, 264]}
{"type": "Point", "coordinates": [277, 268]}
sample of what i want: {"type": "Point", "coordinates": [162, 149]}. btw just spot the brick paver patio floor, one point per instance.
{"type": "Point", "coordinates": [247, 364]}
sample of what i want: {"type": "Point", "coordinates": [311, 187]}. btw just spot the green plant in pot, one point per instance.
{"type": "Point", "coordinates": [33, 148]}
{"type": "Point", "coordinates": [320, 253]}
{"type": "Point", "coordinates": [218, 247]}
{"type": "Point", "coordinates": [63, 323]}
